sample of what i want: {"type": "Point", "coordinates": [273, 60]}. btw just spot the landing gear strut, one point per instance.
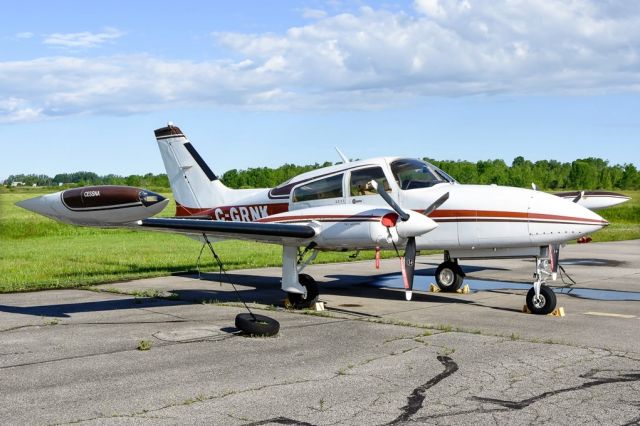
{"type": "Point", "coordinates": [541, 299]}
{"type": "Point", "coordinates": [449, 275]}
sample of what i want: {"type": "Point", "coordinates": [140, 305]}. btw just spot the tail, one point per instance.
{"type": "Point", "coordinates": [195, 187]}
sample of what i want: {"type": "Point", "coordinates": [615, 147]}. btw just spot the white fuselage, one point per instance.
{"type": "Point", "coordinates": [475, 217]}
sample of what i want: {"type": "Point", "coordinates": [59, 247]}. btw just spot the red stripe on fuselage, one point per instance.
{"type": "Point", "coordinates": [496, 216]}
{"type": "Point", "coordinates": [262, 213]}
{"type": "Point", "coordinates": [240, 213]}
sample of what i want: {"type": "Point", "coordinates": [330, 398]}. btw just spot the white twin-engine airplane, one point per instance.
{"type": "Point", "coordinates": [373, 204]}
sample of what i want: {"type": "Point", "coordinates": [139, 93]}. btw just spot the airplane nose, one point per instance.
{"type": "Point", "coordinates": [42, 205]}
{"type": "Point", "coordinates": [560, 220]}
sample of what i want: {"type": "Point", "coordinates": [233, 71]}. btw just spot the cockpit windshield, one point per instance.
{"type": "Point", "coordinates": [412, 174]}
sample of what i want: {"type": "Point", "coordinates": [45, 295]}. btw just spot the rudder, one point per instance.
{"type": "Point", "coordinates": [192, 181]}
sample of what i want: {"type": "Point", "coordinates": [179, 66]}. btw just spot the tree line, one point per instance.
{"type": "Point", "coordinates": [586, 173]}
{"type": "Point", "coordinates": [90, 178]}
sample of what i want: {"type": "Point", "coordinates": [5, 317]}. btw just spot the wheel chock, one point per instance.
{"type": "Point", "coordinates": [434, 288]}
{"type": "Point", "coordinates": [558, 312]}
{"type": "Point", "coordinates": [287, 303]}
{"type": "Point", "coordinates": [319, 306]}
{"type": "Point", "coordinates": [464, 289]}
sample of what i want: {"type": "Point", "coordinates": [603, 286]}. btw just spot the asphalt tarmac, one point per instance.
{"type": "Point", "coordinates": [72, 356]}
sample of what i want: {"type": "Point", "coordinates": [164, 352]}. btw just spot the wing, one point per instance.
{"type": "Point", "coordinates": [276, 233]}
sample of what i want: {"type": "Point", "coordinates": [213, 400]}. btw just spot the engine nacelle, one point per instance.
{"type": "Point", "coordinates": [107, 205]}
{"type": "Point", "coordinates": [356, 226]}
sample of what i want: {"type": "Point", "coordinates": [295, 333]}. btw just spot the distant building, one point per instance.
{"type": "Point", "coordinates": [16, 183]}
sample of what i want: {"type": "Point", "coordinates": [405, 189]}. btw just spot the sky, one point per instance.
{"type": "Point", "coordinates": [254, 83]}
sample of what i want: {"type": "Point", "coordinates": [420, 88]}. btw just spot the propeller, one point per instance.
{"type": "Point", "coordinates": [404, 216]}
{"type": "Point", "coordinates": [554, 256]}
{"type": "Point", "coordinates": [437, 203]}
{"type": "Point", "coordinates": [408, 261]}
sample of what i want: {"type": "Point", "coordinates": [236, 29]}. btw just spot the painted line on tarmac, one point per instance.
{"type": "Point", "coordinates": [607, 314]}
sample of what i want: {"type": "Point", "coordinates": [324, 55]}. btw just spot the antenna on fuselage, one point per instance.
{"type": "Point", "coordinates": [344, 157]}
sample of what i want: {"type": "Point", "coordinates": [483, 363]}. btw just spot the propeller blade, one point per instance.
{"type": "Point", "coordinates": [408, 266]}
{"type": "Point", "coordinates": [578, 197]}
{"type": "Point", "coordinates": [554, 256]}
{"type": "Point", "coordinates": [437, 203]}
{"type": "Point", "coordinates": [404, 216]}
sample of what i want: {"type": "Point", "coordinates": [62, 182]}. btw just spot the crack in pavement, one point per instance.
{"type": "Point", "coordinates": [416, 399]}
{"type": "Point", "coordinates": [279, 421]}
{"type": "Point", "coordinates": [518, 405]}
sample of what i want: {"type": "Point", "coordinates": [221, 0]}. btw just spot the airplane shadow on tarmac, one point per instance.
{"type": "Point", "coordinates": [216, 288]}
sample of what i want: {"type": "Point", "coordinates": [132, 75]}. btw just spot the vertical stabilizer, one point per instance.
{"type": "Point", "coordinates": [193, 183]}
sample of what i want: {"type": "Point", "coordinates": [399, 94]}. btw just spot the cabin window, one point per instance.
{"type": "Point", "coordinates": [330, 187]}
{"type": "Point", "coordinates": [359, 183]}
{"type": "Point", "coordinates": [412, 174]}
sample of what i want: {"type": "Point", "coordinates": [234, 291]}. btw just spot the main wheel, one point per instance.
{"type": "Point", "coordinates": [449, 276]}
{"type": "Point", "coordinates": [298, 300]}
{"type": "Point", "coordinates": [543, 305]}
{"type": "Point", "coordinates": [257, 325]}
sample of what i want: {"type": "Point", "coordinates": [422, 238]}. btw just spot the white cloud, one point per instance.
{"type": "Point", "coordinates": [82, 40]}
{"type": "Point", "coordinates": [313, 13]}
{"type": "Point", "coordinates": [25, 35]}
{"type": "Point", "coordinates": [13, 110]}
{"type": "Point", "coordinates": [369, 59]}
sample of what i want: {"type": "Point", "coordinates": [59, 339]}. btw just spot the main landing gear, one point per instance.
{"type": "Point", "coordinates": [305, 301]}
{"type": "Point", "coordinates": [449, 275]}
{"type": "Point", "coordinates": [302, 290]}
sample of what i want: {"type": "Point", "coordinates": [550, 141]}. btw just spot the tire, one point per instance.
{"type": "Point", "coordinates": [298, 300]}
{"type": "Point", "coordinates": [545, 305]}
{"type": "Point", "coordinates": [260, 326]}
{"type": "Point", "coordinates": [449, 277]}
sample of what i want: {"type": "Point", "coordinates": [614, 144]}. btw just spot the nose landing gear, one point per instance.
{"type": "Point", "coordinates": [541, 299]}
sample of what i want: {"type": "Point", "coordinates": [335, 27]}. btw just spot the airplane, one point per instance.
{"type": "Point", "coordinates": [373, 204]}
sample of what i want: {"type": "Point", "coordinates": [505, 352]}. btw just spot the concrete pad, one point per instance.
{"type": "Point", "coordinates": [70, 356]}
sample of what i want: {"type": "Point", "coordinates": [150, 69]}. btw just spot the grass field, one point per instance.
{"type": "Point", "coordinates": [38, 253]}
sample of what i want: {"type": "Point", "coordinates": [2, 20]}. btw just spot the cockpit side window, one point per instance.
{"type": "Point", "coordinates": [330, 187]}
{"type": "Point", "coordinates": [359, 182]}
{"type": "Point", "coordinates": [412, 174]}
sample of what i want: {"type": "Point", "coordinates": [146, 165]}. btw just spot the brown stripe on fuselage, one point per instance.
{"type": "Point", "coordinates": [483, 215]}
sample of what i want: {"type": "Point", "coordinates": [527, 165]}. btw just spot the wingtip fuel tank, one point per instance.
{"type": "Point", "coordinates": [107, 205]}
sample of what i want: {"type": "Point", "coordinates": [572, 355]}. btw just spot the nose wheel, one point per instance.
{"type": "Point", "coordinates": [542, 304]}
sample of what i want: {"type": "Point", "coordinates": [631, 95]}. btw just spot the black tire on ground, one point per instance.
{"type": "Point", "coordinates": [259, 326]}
{"type": "Point", "coordinates": [543, 306]}
{"type": "Point", "coordinates": [298, 300]}
{"type": "Point", "coordinates": [449, 276]}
